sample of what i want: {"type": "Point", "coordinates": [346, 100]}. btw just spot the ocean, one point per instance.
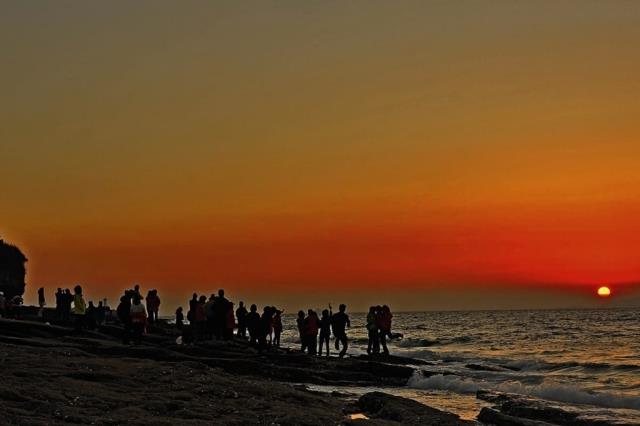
{"type": "Point", "coordinates": [588, 358]}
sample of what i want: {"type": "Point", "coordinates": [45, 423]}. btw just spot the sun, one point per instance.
{"type": "Point", "coordinates": [604, 291]}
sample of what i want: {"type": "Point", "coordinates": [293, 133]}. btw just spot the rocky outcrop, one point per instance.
{"type": "Point", "coordinates": [519, 410]}
{"type": "Point", "coordinates": [382, 406]}
{"type": "Point", "coordinates": [12, 270]}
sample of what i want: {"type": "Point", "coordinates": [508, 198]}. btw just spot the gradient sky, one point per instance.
{"type": "Point", "coordinates": [435, 154]}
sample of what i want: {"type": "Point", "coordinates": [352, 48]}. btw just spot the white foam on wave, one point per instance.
{"type": "Point", "coordinates": [550, 391]}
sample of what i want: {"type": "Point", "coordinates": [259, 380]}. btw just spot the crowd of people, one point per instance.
{"type": "Point", "coordinates": [214, 317]}
{"type": "Point", "coordinates": [71, 307]}
{"type": "Point", "coordinates": [310, 326]}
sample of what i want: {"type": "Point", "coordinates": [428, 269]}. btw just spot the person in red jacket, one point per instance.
{"type": "Point", "coordinates": [385, 327]}
{"type": "Point", "coordinates": [311, 327]}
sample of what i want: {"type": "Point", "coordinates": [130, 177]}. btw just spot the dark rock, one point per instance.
{"type": "Point", "coordinates": [513, 406]}
{"type": "Point", "coordinates": [378, 405]}
{"type": "Point", "coordinates": [493, 417]}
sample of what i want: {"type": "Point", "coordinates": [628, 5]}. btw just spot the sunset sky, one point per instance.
{"type": "Point", "coordinates": [432, 154]}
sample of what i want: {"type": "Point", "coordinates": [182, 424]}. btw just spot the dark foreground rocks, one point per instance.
{"type": "Point", "coordinates": [382, 406]}
{"type": "Point", "coordinates": [518, 410]}
{"type": "Point", "coordinates": [56, 376]}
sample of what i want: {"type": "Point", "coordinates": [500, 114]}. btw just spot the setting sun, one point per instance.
{"type": "Point", "coordinates": [604, 292]}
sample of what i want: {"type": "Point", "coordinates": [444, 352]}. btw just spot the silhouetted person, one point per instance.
{"type": "Point", "coordinates": [200, 319]}
{"type": "Point", "coordinates": [253, 324]}
{"type": "Point", "coordinates": [59, 303]}
{"type": "Point", "coordinates": [138, 319]}
{"type": "Point", "coordinates": [220, 306]}
{"type": "Point", "coordinates": [311, 327]}
{"type": "Point", "coordinates": [91, 316]}
{"type": "Point", "coordinates": [124, 315]}
{"type": "Point", "coordinates": [230, 322]}
{"type": "Point", "coordinates": [300, 322]}
{"type": "Point", "coordinates": [373, 346]}
{"type": "Point", "coordinates": [153, 305]}
{"type": "Point", "coordinates": [179, 318]}
{"type": "Point", "coordinates": [277, 327]}
{"type": "Point", "coordinates": [325, 331]}
{"type": "Point", "coordinates": [192, 309]}
{"type": "Point", "coordinates": [211, 316]}
{"type": "Point", "coordinates": [66, 307]}
{"type": "Point", "coordinates": [41, 303]}
{"type": "Point", "coordinates": [101, 314]}
{"type": "Point", "coordinates": [339, 322]}
{"type": "Point", "coordinates": [3, 305]}
{"type": "Point", "coordinates": [79, 307]}
{"type": "Point", "coordinates": [265, 325]}
{"type": "Point", "coordinates": [384, 325]}
{"type": "Point", "coordinates": [136, 290]}
{"type": "Point", "coordinates": [241, 315]}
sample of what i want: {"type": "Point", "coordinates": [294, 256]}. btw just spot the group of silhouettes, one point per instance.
{"type": "Point", "coordinates": [71, 307]}
{"type": "Point", "coordinates": [134, 316]}
{"type": "Point", "coordinates": [215, 317]}
{"type": "Point", "coordinates": [379, 329]}
{"type": "Point", "coordinates": [310, 327]}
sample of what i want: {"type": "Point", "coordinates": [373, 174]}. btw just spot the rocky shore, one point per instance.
{"type": "Point", "coordinates": [54, 375]}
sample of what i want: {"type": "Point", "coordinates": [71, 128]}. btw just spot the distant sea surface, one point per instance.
{"type": "Point", "coordinates": [588, 357]}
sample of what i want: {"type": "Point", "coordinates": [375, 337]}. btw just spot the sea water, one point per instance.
{"type": "Point", "coordinates": [585, 357]}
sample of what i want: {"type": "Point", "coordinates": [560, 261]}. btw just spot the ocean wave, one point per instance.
{"type": "Point", "coordinates": [540, 365]}
{"type": "Point", "coordinates": [549, 391]}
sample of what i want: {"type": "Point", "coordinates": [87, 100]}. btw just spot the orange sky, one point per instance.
{"type": "Point", "coordinates": [325, 148]}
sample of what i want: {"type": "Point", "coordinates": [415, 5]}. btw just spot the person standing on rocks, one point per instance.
{"type": "Point", "coordinates": [59, 303]}
{"type": "Point", "coordinates": [241, 315]}
{"type": "Point", "coordinates": [265, 327]}
{"type": "Point", "coordinates": [220, 307]}
{"type": "Point", "coordinates": [66, 305]}
{"type": "Point", "coordinates": [373, 346]}
{"type": "Point", "coordinates": [385, 327]}
{"type": "Point", "coordinates": [124, 315]}
{"type": "Point", "coordinates": [277, 327]}
{"type": "Point", "coordinates": [138, 319]}
{"type": "Point", "coordinates": [79, 308]}
{"type": "Point", "coordinates": [253, 324]}
{"type": "Point", "coordinates": [200, 319]}
{"type": "Point", "coordinates": [339, 322]}
{"type": "Point", "coordinates": [325, 331]}
{"type": "Point", "coordinates": [230, 322]}
{"type": "Point", "coordinates": [153, 305]}
{"type": "Point", "coordinates": [300, 322]}
{"type": "Point", "coordinates": [101, 314]}
{"type": "Point", "coordinates": [179, 318]}
{"type": "Point", "coordinates": [41, 303]}
{"type": "Point", "coordinates": [312, 326]}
